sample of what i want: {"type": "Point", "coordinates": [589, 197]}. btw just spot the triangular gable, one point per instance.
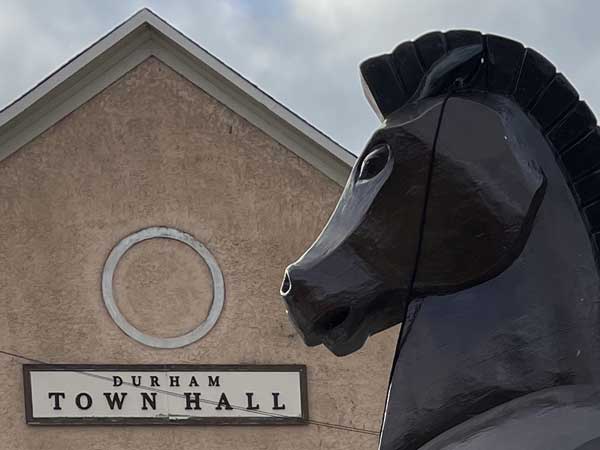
{"type": "Point", "coordinates": [140, 37]}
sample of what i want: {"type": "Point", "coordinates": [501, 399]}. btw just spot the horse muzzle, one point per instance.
{"type": "Point", "coordinates": [322, 319]}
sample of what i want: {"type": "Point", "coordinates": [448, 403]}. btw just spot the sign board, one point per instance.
{"type": "Point", "coordinates": [165, 394]}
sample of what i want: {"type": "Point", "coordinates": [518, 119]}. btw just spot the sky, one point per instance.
{"type": "Point", "coordinates": [305, 53]}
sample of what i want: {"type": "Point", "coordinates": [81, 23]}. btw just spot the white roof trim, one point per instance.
{"type": "Point", "coordinates": [144, 35]}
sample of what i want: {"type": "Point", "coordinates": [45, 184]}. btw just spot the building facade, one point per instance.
{"type": "Point", "coordinates": [145, 129]}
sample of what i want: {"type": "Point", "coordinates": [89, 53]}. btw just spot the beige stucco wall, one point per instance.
{"type": "Point", "coordinates": [153, 149]}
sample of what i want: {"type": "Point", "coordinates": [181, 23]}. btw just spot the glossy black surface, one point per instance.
{"type": "Point", "coordinates": [472, 216]}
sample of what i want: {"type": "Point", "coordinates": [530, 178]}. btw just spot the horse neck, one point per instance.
{"type": "Point", "coordinates": [534, 326]}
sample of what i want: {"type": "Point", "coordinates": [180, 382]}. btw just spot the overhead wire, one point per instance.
{"type": "Point", "coordinates": [404, 332]}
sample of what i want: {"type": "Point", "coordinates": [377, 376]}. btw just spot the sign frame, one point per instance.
{"type": "Point", "coordinates": [191, 421]}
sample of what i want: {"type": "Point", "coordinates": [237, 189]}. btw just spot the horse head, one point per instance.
{"type": "Point", "coordinates": [471, 216]}
{"type": "Point", "coordinates": [442, 187]}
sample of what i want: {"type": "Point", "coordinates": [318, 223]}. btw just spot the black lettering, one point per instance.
{"type": "Point", "coordinates": [88, 400]}
{"type": "Point", "coordinates": [223, 402]}
{"type": "Point", "coordinates": [250, 405]}
{"type": "Point", "coordinates": [276, 404]}
{"type": "Point", "coordinates": [189, 400]}
{"type": "Point", "coordinates": [213, 381]}
{"type": "Point", "coordinates": [139, 380]}
{"type": "Point", "coordinates": [117, 381]}
{"type": "Point", "coordinates": [154, 381]}
{"type": "Point", "coordinates": [193, 381]}
{"type": "Point", "coordinates": [148, 399]}
{"type": "Point", "coordinates": [174, 380]}
{"type": "Point", "coordinates": [57, 396]}
{"type": "Point", "coordinates": [114, 399]}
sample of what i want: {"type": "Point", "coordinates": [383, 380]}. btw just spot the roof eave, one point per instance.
{"type": "Point", "coordinates": [144, 35]}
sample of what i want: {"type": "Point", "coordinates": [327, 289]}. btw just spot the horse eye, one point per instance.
{"type": "Point", "coordinates": [374, 162]}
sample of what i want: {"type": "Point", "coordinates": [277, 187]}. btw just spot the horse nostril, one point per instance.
{"type": "Point", "coordinates": [286, 286]}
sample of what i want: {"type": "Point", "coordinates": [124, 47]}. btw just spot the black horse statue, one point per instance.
{"type": "Point", "coordinates": [473, 218]}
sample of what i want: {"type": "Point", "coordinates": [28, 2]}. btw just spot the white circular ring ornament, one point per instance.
{"type": "Point", "coordinates": [164, 233]}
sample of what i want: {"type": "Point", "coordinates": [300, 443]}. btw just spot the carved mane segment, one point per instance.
{"type": "Point", "coordinates": [520, 73]}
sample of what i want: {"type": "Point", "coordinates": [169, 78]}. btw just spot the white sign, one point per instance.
{"type": "Point", "coordinates": [175, 394]}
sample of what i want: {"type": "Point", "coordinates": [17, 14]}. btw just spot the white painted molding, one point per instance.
{"type": "Point", "coordinates": [144, 35]}
{"type": "Point", "coordinates": [108, 295]}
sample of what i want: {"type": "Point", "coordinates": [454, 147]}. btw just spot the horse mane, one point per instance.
{"type": "Point", "coordinates": [511, 70]}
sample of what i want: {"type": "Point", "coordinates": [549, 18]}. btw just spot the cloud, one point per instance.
{"type": "Point", "coordinates": [303, 52]}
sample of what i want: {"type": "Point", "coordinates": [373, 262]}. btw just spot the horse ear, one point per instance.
{"type": "Point", "coordinates": [424, 68]}
{"type": "Point", "coordinates": [457, 68]}
{"type": "Point", "coordinates": [482, 205]}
